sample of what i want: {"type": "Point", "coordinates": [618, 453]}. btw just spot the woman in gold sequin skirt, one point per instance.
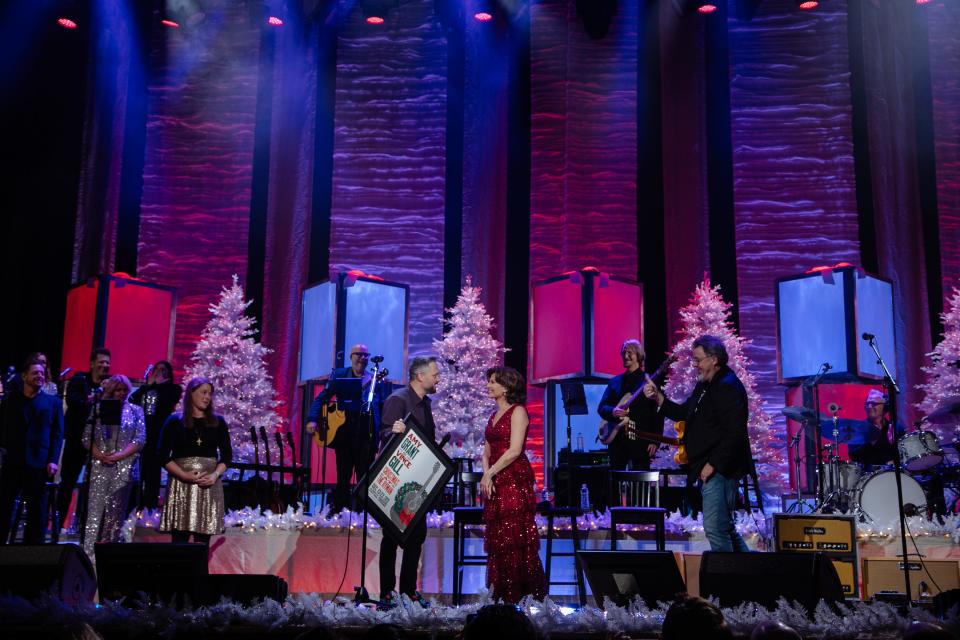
{"type": "Point", "coordinates": [114, 461]}
{"type": "Point", "coordinates": [195, 450]}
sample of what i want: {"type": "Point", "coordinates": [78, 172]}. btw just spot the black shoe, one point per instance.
{"type": "Point", "coordinates": [388, 600]}
{"type": "Point", "coordinates": [419, 599]}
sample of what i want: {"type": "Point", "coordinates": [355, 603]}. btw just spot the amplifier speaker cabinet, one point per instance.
{"type": "Point", "coordinates": [885, 575]}
{"type": "Point", "coordinates": [816, 533]}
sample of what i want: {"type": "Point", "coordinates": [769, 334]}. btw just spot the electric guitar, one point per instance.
{"type": "Point", "coordinates": [334, 417]}
{"type": "Point", "coordinates": [608, 431]}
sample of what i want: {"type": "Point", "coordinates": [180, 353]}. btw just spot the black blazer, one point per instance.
{"type": "Point", "coordinates": [31, 430]}
{"type": "Point", "coordinates": [716, 425]}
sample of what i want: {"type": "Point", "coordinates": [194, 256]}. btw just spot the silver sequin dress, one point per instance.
{"type": "Point", "coordinates": [110, 485]}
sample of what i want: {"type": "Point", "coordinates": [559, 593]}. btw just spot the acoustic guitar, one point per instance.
{"type": "Point", "coordinates": [334, 417]}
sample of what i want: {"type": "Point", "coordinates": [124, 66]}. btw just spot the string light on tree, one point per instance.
{"type": "Point", "coordinates": [229, 355]}
{"type": "Point", "coordinates": [461, 406]}
{"type": "Point", "coordinates": [709, 314]}
{"type": "Point", "coordinates": [942, 374]}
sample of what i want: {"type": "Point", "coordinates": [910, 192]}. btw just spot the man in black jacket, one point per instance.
{"type": "Point", "coordinates": [352, 441]}
{"type": "Point", "coordinates": [31, 433]}
{"type": "Point", "coordinates": [625, 447]}
{"type": "Point", "coordinates": [81, 396]}
{"type": "Point", "coordinates": [716, 439]}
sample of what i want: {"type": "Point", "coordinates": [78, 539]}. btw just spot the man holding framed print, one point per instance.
{"type": "Point", "coordinates": [409, 403]}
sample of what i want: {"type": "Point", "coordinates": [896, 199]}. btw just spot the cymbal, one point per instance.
{"type": "Point", "coordinates": [800, 414]}
{"type": "Point", "coordinates": [946, 413]}
{"type": "Point", "coordinates": [849, 431]}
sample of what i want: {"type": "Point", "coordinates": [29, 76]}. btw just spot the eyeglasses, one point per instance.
{"type": "Point", "coordinates": [697, 360]}
{"type": "Point", "coordinates": [360, 355]}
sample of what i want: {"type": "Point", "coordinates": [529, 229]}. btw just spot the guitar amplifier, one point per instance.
{"type": "Point", "coordinates": [849, 574]}
{"type": "Point", "coordinates": [815, 533]}
{"type": "Point", "coordinates": [584, 458]}
{"type": "Point", "coordinates": [885, 575]}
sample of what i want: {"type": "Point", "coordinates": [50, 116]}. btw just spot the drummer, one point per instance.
{"type": "Point", "coordinates": [876, 446]}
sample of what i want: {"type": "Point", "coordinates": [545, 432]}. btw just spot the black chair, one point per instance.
{"type": "Point", "coordinates": [638, 495]}
{"type": "Point", "coordinates": [572, 513]}
{"type": "Point", "coordinates": [748, 482]}
{"type": "Point", "coordinates": [463, 517]}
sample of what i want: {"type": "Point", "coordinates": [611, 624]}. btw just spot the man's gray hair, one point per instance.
{"type": "Point", "coordinates": [712, 346]}
{"type": "Point", "coordinates": [419, 363]}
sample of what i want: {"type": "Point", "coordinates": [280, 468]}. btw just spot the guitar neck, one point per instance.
{"type": "Point", "coordinates": [656, 437]}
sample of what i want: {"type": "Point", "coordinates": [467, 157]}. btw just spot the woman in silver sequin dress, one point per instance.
{"type": "Point", "coordinates": [113, 473]}
{"type": "Point", "coordinates": [195, 450]}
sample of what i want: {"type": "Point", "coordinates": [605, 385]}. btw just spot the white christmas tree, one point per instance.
{"type": "Point", "coordinates": [709, 314]}
{"type": "Point", "coordinates": [228, 355]}
{"type": "Point", "coordinates": [461, 406]}
{"type": "Point", "coordinates": [942, 374]}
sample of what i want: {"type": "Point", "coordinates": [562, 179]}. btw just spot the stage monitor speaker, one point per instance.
{"type": "Point", "coordinates": [763, 578]}
{"type": "Point", "coordinates": [885, 575]}
{"type": "Point", "coordinates": [621, 575]}
{"type": "Point", "coordinates": [161, 572]}
{"type": "Point", "coordinates": [63, 570]}
{"type": "Point", "coordinates": [245, 589]}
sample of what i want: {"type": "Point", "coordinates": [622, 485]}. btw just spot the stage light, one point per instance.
{"type": "Point", "coordinates": [807, 5]}
{"type": "Point", "coordinates": [169, 23]}
{"type": "Point", "coordinates": [482, 16]}
{"type": "Point", "coordinates": [923, 1]}
{"type": "Point", "coordinates": [274, 21]}
{"type": "Point", "coordinates": [483, 10]}
{"type": "Point", "coordinates": [706, 7]}
{"type": "Point", "coordinates": [375, 11]}
{"type": "Point", "coordinates": [66, 23]}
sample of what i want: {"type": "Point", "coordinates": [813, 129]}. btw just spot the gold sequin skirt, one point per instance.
{"type": "Point", "coordinates": [190, 507]}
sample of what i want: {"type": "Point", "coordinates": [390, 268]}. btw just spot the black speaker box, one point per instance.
{"type": "Point", "coordinates": [734, 578]}
{"type": "Point", "coordinates": [60, 569]}
{"type": "Point", "coordinates": [622, 575]}
{"type": "Point", "coordinates": [159, 572]}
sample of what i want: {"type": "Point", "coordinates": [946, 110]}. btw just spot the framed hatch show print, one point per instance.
{"type": "Point", "coordinates": [406, 480]}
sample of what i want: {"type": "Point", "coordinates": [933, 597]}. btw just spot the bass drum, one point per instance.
{"type": "Point", "coordinates": [875, 497]}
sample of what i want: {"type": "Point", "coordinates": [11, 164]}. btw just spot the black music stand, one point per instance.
{"type": "Point", "coordinates": [574, 404]}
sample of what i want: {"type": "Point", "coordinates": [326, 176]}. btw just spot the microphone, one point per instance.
{"type": "Point", "coordinates": [909, 509]}
{"type": "Point", "coordinates": [868, 336]}
{"type": "Point", "coordinates": [64, 372]}
{"type": "Point", "coordinates": [444, 440]}
{"type": "Point", "coordinates": [826, 366]}
{"type": "Point", "coordinates": [834, 407]}
{"type": "Point", "coordinates": [149, 370]}
{"type": "Point", "coordinates": [376, 359]}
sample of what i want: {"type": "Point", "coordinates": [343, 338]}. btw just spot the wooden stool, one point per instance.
{"type": "Point", "coordinates": [572, 513]}
{"type": "Point", "coordinates": [639, 515]}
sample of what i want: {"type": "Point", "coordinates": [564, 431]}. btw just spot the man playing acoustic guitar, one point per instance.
{"type": "Point", "coordinates": [623, 418]}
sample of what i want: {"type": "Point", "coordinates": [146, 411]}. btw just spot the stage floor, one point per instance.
{"type": "Point", "coordinates": [325, 561]}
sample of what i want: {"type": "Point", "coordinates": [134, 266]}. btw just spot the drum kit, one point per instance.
{"type": "Point", "coordinates": [865, 491]}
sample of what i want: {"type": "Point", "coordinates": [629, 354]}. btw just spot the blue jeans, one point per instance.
{"type": "Point", "coordinates": [719, 502]}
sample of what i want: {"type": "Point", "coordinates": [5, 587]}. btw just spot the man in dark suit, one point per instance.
{"type": "Point", "coordinates": [624, 447]}
{"type": "Point", "coordinates": [718, 446]}
{"type": "Point", "coordinates": [351, 442]}
{"type": "Point", "coordinates": [31, 433]}
{"type": "Point", "coordinates": [81, 394]}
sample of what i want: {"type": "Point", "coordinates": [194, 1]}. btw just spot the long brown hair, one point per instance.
{"type": "Point", "coordinates": [209, 420]}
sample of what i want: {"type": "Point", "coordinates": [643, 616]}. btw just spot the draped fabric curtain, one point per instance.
{"type": "Point", "coordinates": [890, 117]}
{"type": "Point", "coordinates": [289, 207]}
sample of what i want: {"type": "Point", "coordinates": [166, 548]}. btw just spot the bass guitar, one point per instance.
{"type": "Point", "coordinates": [608, 431]}
{"type": "Point", "coordinates": [334, 417]}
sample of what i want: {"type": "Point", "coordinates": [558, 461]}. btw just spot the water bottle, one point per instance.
{"type": "Point", "coordinates": [584, 498]}
{"type": "Point", "coordinates": [579, 442]}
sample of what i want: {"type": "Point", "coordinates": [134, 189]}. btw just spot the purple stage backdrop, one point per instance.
{"type": "Point", "coordinates": [794, 183]}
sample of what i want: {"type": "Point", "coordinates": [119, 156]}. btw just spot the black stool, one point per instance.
{"type": "Point", "coordinates": [750, 478]}
{"type": "Point", "coordinates": [572, 513]}
{"type": "Point", "coordinates": [52, 510]}
{"type": "Point", "coordinates": [463, 516]}
{"type": "Point", "coordinates": [655, 516]}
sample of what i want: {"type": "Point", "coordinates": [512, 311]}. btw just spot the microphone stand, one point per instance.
{"type": "Point", "coordinates": [362, 595]}
{"type": "Point", "coordinates": [815, 385]}
{"type": "Point", "coordinates": [83, 496]}
{"type": "Point", "coordinates": [892, 392]}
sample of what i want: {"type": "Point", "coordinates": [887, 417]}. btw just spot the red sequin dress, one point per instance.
{"type": "Point", "coordinates": [512, 541]}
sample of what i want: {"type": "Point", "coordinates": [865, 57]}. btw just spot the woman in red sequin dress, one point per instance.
{"type": "Point", "coordinates": [512, 542]}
